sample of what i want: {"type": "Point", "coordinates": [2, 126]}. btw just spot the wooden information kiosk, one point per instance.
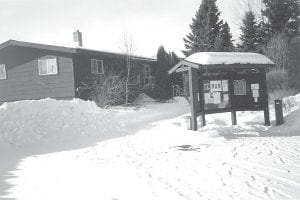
{"type": "Point", "coordinates": [225, 82]}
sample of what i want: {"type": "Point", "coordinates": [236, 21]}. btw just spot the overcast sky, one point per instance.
{"type": "Point", "coordinates": [103, 22]}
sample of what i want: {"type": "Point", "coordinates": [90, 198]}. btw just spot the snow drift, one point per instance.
{"type": "Point", "coordinates": [49, 121]}
{"type": "Point", "coordinates": [60, 122]}
{"type": "Point", "coordinates": [143, 98]}
{"type": "Point", "coordinates": [163, 160]}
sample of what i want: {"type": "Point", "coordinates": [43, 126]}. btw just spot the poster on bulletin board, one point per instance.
{"type": "Point", "coordinates": [216, 94]}
{"type": "Point", "coordinates": [239, 87]}
{"type": "Point", "coordinates": [225, 85]}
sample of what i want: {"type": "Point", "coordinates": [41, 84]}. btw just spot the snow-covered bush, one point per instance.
{"type": "Point", "coordinates": [290, 103]}
{"type": "Point", "coordinates": [277, 80]}
{"type": "Point", "coordinates": [278, 85]}
{"type": "Point", "coordinates": [106, 90]}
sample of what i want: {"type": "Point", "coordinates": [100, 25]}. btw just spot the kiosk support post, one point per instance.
{"type": "Point", "coordinates": [233, 117]}
{"type": "Point", "coordinates": [265, 92]}
{"type": "Point", "coordinates": [201, 99]}
{"type": "Point", "coordinates": [231, 99]}
{"type": "Point", "coordinates": [267, 116]}
{"type": "Point", "coordinates": [193, 85]}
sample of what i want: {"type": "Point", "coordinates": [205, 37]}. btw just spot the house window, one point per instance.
{"type": "Point", "coordinates": [138, 79]}
{"type": "Point", "coordinates": [147, 71]}
{"type": "Point", "coordinates": [97, 66]}
{"type": "Point", "coordinates": [2, 71]}
{"type": "Point", "coordinates": [147, 74]}
{"type": "Point", "coordinates": [149, 81]}
{"type": "Point", "coordinates": [47, 66]}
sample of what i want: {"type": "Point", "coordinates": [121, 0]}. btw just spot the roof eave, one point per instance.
{"type": "Point", "coordinates": [183, 63]}
{"type": "Point", "coordinates": [215, 66]}
{"type": "Point", "coordinates": [72, 50]}
{"type": "Point", "coordinates": [37, 46]}
{"type": "Point", "coordinates": [81, 50]}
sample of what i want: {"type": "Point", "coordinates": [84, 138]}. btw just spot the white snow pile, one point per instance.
{"type": "Point", "coordinates": [143, 98]}
{"type": "Point", "coordinates": [38, 122]}
{"type": "Point", "coordinates": [291, 103]}
{"type": "Point", "coordinates": [214, 58]}
{"type": "Point", "coordinates": [162, 160]}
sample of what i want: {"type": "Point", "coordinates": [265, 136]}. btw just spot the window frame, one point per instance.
{"type": "Point", "coordinates": [102, 66]}
{"type": "Point", "coordinates": [5, 72]}
{"type": "Point", "coordinates": [47, 66]}
{"type": "Point", "coordinates": [138, 79]}
{"type": "Point", "coordinates": [147, 70]}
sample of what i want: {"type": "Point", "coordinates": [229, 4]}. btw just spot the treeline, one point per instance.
{"type": "Point", "coordinates": [270, 32]}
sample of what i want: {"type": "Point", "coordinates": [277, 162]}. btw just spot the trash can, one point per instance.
{"type": "Point", "coordinates": [278, 112]}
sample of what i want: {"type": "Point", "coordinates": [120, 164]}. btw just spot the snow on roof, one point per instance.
{"type": "Point", "coordinates": [216, 58]}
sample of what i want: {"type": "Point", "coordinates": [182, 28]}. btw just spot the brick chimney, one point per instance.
{"type": "Point", "coordinates": [77, 38]}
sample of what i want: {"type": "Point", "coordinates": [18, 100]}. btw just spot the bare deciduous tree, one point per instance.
{"type": "Point", "coordinates": [128, 49]}
{"type": "Point", "coordinates": [278, 50]}
{"type": "Point", "coordinates": [256, 6]}
{"type": "Point", "coordinates": [105, 90]}
{"type": "Point", "coordinates": [281, 80]}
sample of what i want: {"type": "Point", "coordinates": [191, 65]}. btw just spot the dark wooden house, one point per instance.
{"type": "Point", "coordinates": [36, 71]}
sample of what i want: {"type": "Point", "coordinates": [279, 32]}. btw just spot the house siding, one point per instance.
{"type": "Point", "coordinates": [23, 80]}
{"type": "Point", "coordinates": [112, 63]}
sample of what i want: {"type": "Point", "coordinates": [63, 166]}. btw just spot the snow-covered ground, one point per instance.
{"type": "Point", "coordinates": [73, 150]}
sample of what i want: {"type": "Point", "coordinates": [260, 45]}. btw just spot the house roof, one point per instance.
{"type": "Point", "coordinates": [64, 48]}
{"type": "Point", "coordinates": [212, 59]}
{"type": "Point", "coordinates": [38, 46]}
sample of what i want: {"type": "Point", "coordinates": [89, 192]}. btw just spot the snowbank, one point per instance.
{"type": "Point", "coordinates": [49, 121]}
{"type": "Point", "coordinates": [291, 103]}
{"type": "Point", "coordinates": [143, 98]}
{"type": "Point", "coordinates": [164, 161]}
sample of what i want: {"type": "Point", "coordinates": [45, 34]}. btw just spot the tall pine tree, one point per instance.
{"type": "Point", "coordinates": [176, 78]}
{"type": "Point", "coordinates": [163, 87]}
{"type": "Point", "coordinates": [223, 41]}
{"type": "Point", "coordinates": [250, 41]}
{"type": "Point", "coordinates": [205, 28]}
{"type": "Point", "coordinates": [281, 16]}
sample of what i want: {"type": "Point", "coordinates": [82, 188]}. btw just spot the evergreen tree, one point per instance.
{"type": "Point", "coordinates": [205, 28]}
{"type": "Point", "coordinates": [250, 41]}
{"type": "Point", "coordinates": [223, 41]}
{"type": "Point", "coordinates": [176, 78]}
{"type": "Point", "coordinates": [264, 34]}
{"type": "Point", "coordinates": [174, 59]}
{"type": "Point", "coordinates": [164, 81]}
{"type": "Point", "coordinates": [163, 87]}
{"type": "Point", "coordinates": [281, 16]}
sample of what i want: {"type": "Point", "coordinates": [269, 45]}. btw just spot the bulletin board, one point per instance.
{"type": "Point", "coordinates": [216, 94]}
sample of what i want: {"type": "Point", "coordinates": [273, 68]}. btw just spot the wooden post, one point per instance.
{"type": "Point", "coordinates": [203, 122]}
{"type": "Point", "coordinates": [193, 87]}
{"type": "Point", "coordinates": [173, 93]}
{"type": "Point", "coordinates": [233, 117]}
{"type": "Point", "coordinates": [267, 116]}
{"type": "Point", "coordinates": [231, 98]}
{"type": "Point", "coordinates": [201, 99]}
{"type": "Point", "coordinates": [265, 96]}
